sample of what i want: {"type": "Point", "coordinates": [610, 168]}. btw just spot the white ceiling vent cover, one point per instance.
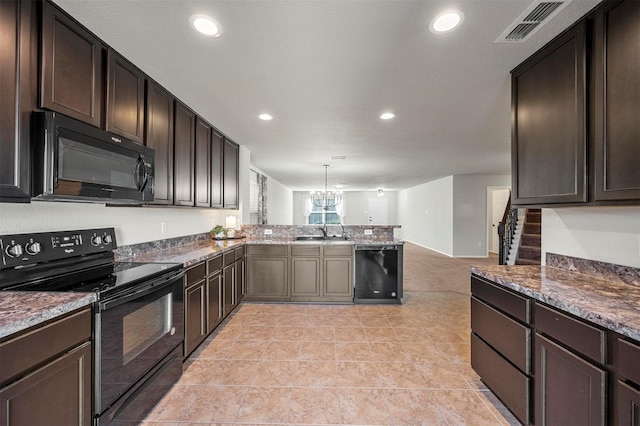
{"type": "Point", "coordinates": [531, 20]}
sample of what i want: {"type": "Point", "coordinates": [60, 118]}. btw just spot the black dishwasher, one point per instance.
{"type": "Point", "coordinates": [378, 273]}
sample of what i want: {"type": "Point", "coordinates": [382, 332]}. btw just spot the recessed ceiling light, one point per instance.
{"type": "Point", "coordinates": [206, 25]}
{"type": "Point", "coordinates": [338, 157]}
{"type": "Point", "coordinates": [265, 117]}
{"type": "Point", "coordinates": [387, 115]}
{"type": "Point", "coordinates": [446, 21]}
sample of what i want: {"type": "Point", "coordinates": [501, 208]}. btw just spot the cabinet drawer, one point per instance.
{"type": "Point", "coordinates": [214, 265]}
{"type": "Point", "coordinates": [629, 360]}
{"type": "Point", "coordinates": [628, 405]}
{"type": "Point", "coordinates": [584, 338]}
{"type": "Point", "coordinates": [35, 347]}
{"type": "Point", "coordinates": [305, 250]}
{"type": "Point", "coordinates": [338, 250]}
{"type": "Point", "coordinates": [228, 258]}
{"type": "Point", "coordinates": [510, 338]}
{"type": "Point", "coordinates": [268, 250]}
{"type": "Point", "coordinates": [239, 253]}
{"type": "Point", "coordinates": [509, 384]}
{"type": "Point", "coordinates": [196, 273]}
{"type": "Point", "coordinates": [517, 306]}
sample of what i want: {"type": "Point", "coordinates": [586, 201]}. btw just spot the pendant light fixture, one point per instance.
{"type": "Point", "coordinates": [326, 199]}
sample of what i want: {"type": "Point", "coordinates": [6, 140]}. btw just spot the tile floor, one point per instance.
{"type": "Point", "coordinates": [323, 364]}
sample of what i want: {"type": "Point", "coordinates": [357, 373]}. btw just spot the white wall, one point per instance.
{"type": "Point", "coordinates": [357, 205]}
{"type": "Point", "coordinates": [425, 213]}
{"type": "Point", "coordinates": [607, 234]}
{"type": "Point", "coordinates": [279, 203]}
{"type": "Point", "coordinates": [470, 213]}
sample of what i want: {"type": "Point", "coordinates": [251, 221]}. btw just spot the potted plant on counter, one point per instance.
{"type": "Point", "coordinates": [218, 232]}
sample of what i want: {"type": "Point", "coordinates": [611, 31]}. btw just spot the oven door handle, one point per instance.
{"type": "Point", "coordinates": [148, 288]}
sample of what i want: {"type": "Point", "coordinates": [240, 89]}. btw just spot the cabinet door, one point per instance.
{"type": "Point", "coordinates": [616, 108]}
{"type": "Point", "coordinates": [230, 183]}
{"type": "Point", "coordinates": [305, 277]}
{"type": "Point", "coordinates": [549, 123]}
{"type": "Point", "coordinates": [338, 277]}
{"type": "Point", "coordinates": [18, 63]}
{"type": "Point", "coordinates": [568, 389]}
{"type": "Point", "coordinates": [217, 144]}
{"type": "Point", "coordinates": [203, 163]}
{"type": "Point", "coordinates": [159, 136]}
{"type": "Point", "coordinates": [214, 301]}
{"type": "Point", "coordinates": [195, 317]}
{"type": "Point", "coordinates": [241, 285]}
{"type": "Point", "coordinates": [71, 67]}
{"type": "Point", "coordinates": [229, 289]}
{"type": "Point", "coordinates": [58, 393]}
{"type": "Point", "coordinates": [125, 97]}
{"type": "Point", "coordinates": [628, 405]}
{"type": "Point", "coordinates": [267, 278]}
{"type": "Point", "coordinates": [184, 161]}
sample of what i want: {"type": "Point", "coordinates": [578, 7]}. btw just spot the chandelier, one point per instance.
{"type": "Point", "coordinates": [326, 199]}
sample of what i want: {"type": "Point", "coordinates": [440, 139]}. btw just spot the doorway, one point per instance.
{"type": "Point", "coordinates": [497, 199]}
{"type": "Point", "coordinates": [378, 210]}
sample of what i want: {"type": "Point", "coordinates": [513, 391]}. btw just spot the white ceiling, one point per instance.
{"type": "Point", "coordinates": [327, 69]}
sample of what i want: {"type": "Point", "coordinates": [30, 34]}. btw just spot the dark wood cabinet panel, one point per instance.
{"type": "Point", "coordinates": [58, 393]}
{"type": "Point", "coordinates": [217, 145]}
{"type": "Point", "coordinates": [184, 160]}
{"type": "Point", "coordinates": [71, 67]}
{"type": "Point", "coordinates": [628, 406]}
{"type": "Point", "coordinates": [203, 163]}
{"type": "Point", "coordinates": [616, 137]}
{"type": "Point", "coordinates": [241, 283]}
{"type": "Point", "coordinates": [549, 136]}
{"type": "Point", "coordinates": [159, 136]}
{"type": "Point", "coordinates": [229, 295]}
{"type": "Point", "coordinates": [125, 97]}
{"type": "Point", "coordinates": [230, 183]}
{"type": "Point", "coordinates": [214, 300]}
{"type": "Point", "coordinates": [568, 389]}
{"type": "Point", "coordinates": [18, 67]}
{"type": "Point", "coordinates": [195, 316]}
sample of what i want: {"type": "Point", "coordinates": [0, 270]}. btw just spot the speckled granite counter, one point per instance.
{"type": "Point", "coordinates": [607, 303]}
{"type": "Point", "coordinates": [21, 310]}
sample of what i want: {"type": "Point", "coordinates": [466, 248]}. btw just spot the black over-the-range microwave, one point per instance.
{"type": "Point", "coordinates": [73, 161]}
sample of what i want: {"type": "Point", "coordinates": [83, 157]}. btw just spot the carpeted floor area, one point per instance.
{"type": "Point", "coordinates": [427, 270]}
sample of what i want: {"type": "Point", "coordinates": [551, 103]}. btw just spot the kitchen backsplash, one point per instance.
{"type": "Point", "coordinates": [287, 232]}
{"type": "Point", "coordinates": [608, 271]}
{"type": "Point", "coordinates": [134, 250]}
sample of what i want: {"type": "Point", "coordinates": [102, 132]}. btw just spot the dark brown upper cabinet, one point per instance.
{"type": "Point", "coordinates": [231, 165]}
{"type": "Point", "coordinates": [616, 111]}
{"type": "Point", "coordinates": [159, 136]}
{"type": "Point", "coordinates": [125, 97]}
{"type": "Point", "coordinates": [216, 169]}
{"type": "Point", "coordinates": [71, 67]}
{"type": "Point", "coordinates": [18, 67]}
{"type": "Point", "coordinates": [184, 156]}
{"type": "Point", "coordinates": [203, 163]}
{"type": "Point", "coordinates": [549, 136]}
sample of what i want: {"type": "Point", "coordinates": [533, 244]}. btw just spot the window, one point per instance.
{"type": "Point", "coordinates": [317, 216]}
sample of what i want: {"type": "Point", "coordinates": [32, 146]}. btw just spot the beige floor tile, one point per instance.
{"type": "Point", "coordinates": [320, 310]}
{"type": "Point", "coordinates": [456, 352]}
{"type": "Point", "coordinates": [364, 407]}
{"type": "Point", "coordinates": [294, 309]}
{"type": "Point", "coordinates": [265, 319]}
{"type": "Point", "coordinates": [212, 349]}
{"type": "Point", "coordinates": [504, 416]}
{"type": "Point", "coordinates": [380, 334]}
{"type": "Point", "coordinates": [464, 407]}
{"type": "Point", "coordinates": [412, 334]}
{"type": "Point", "coordinates": [276, 373]}
{"type": "Point", "coordinates": [407, 321]}
{"type": "Point", "coordinates": [258, 333]}
{"type": "Point", "coordinates": [346, 351]}
{"type": "Point", "coordinates": [236, 372]}
{"type": "Point", "coordinates": [349, 310]}
{"type": "Point", "coordinates": [424, 351]}
{"type": "Point", "coordinates": [357, 375]}
{"type": "Point", "coordinates": [414, 407]}
{"type": "Point", "coordinates": [287, 332]}
{"type": "Point", "coordinates": [441, 376]}
{"type": "Point", "coordinates": [297, 320]}
{"type": "Point", "coordinates": [319, 334]}
{"type": "Point", "coordinates": [374, 321]}
{"type": "Point", "coordinates": [282, 350]}
{"type": "Point", "coordinates": [174, 405]}
{"type": "Point", "coordinates": [198, 371]}
{"type": "Point", "coordinates": [343, 321]}
{"type": "Point", "coordinates": [399, 375]}
{"type": "Point", "coordinates": [389, 351]}
{"type": "Point", "coordinates": [215, 404]}
{"type": "Point", "coordinates": [249, 350]}
{"type": "Point", "coordinates": [470, 376]}
{"type": "Point", "coordinates": [316, 373]}
{"type": "Point", "coordinates": [369, 310]}
{"type": "Point", "coordinates": [265, 405]}
{"type": "Point", "coordinates": [314, 406]}
{"type": "Point", "coordinates": [229, 331]}
{"type": "Point", "coordinates": [350, 334]}
{"type": "Point", "coordinates": [317, 351]}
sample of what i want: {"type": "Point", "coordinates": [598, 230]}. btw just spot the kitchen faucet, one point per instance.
{"type": "Point", "coordinates": [324, 230]}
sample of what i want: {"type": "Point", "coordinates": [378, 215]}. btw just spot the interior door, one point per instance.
{"type": "Point", "coordinates": [378, 209]}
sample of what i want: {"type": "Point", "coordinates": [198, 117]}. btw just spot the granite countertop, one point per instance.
{"type": "Point", "coordinates": [21, 310]}
{"type": "Point", "coordinates": [610, 304]}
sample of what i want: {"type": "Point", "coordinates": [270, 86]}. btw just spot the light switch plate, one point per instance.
{"type": "Point", "coordinates": [268, 231]}
{"type": "Point", "coordinates": [368, 232]}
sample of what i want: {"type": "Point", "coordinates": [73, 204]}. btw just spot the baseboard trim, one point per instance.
{"type": "Point", "coordinates": [429, 248]}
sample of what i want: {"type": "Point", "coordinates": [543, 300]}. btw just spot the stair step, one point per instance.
{"type": "Point", "coordinates": [526, 252]}
{"type": "Point", "coordinates": [533, 240]}
{"type": "Point", "coordinates": [531, 228]}
{"type": "Point", "coordinates": [527, 262]}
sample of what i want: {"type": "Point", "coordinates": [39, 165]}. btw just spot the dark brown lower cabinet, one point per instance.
{"type": "Point", "coordinates": [214, 300]}
{"type": "Point", "coordinates": [568, 389]}
{"type": "Point", "coordinates": [195, 316]}
{"type": "Point", "coordinates": [229, 288]}
{"type": "Point", "coordinates": [241, 284]}
{"type": "Point", "coordinates": [628, 406]}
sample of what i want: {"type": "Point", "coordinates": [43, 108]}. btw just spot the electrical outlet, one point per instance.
{"type": "Point", "coordinates": [268, 231]}
{"type": "Point", "coordinates": [479, 244]}
{"type": "Point", "coordinates": [368, 232]}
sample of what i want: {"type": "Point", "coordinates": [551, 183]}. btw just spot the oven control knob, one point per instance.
{"type": "Point", "coordinates": [96, 240]}
{"type": "Point", "coordinates": [107, 239]}
{"type": "Point", "coordinates": [14, 250]}
{"type": "Point", "coordinates": [33, 248]}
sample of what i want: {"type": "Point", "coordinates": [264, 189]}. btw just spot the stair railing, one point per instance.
{"type": "Point", "coordinates": [506, 231]}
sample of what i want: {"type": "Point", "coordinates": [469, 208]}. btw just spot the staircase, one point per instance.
{"type": "Point", "coordinates": [529, 252]}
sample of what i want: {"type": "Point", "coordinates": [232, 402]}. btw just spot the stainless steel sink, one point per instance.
{"type": "Point", "coordinates": [310, 238]}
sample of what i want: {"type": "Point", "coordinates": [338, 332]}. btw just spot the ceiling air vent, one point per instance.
{"type": "Point", "coordinates": [531, 20]}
